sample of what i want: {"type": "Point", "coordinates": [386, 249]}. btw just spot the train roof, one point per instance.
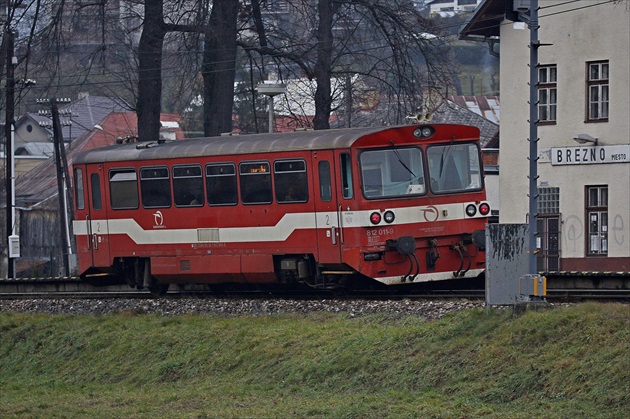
{"type": "Point", "coordinates": [232, 145]}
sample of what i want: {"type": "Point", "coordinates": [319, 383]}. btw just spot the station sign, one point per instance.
{"type": "Point", "coordinates": [590, 155]}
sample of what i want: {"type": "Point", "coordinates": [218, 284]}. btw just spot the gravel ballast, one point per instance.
{"type": "Point", "coordinates": [430, 309]}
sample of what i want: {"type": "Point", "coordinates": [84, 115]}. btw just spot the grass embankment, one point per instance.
{"type": "Point", "coordinates": [566, 362]}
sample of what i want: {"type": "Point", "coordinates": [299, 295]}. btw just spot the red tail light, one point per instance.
{"type": "Point", "coordinates": [484, 209]}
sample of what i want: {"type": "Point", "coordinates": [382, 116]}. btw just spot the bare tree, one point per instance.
{"type": "Point", "coordinates": [219, 66]}
{"type": "Point", "coordinates": [387, 43]}
{"type": "Point", "coordinates": [326, 10]}
{"type": "Point", "coordinates": [148, 106]}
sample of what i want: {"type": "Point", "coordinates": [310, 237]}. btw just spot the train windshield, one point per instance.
{"type": "Point", "coordinates": [392, 172]}
{"type": "Point", "coordinates": [454, 168]}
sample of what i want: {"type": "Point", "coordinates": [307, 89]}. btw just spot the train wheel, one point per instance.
{"type": "Point", "coordinates": [157, 289]}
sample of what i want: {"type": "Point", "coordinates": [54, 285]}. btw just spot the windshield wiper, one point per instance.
{"type": "Point", "coordinates": [401, 161]}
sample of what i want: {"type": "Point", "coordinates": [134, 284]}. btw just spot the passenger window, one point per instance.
{"type": "Point", "coordinates": [221, 184]}
{"type": "Point", "coordinates": [325, 185]}
{"type": "Point", "coordinates": [155, 187]}
{"type": "Point", "coordinates": [123, 186]}
{"type": "Point", "coordinates": [346, 176]}
{"type": "Point", "coordinates": [95, 185]}
{"type": "Point", "coordinates": [255, 182]}
{"type": "Point", "coordinates": [78, 189]}
{"type": "Point", "coordinates": [188, 186]}
{"type": "Point", "coordinates": [291, 185]}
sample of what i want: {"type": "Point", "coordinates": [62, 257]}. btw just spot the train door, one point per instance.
{"type": "Point", "coordinates": [80, 222]}
{"type": "Point", "coordinates": [326, 208]}
{"type": "Point", "coordinates": [97, 225]}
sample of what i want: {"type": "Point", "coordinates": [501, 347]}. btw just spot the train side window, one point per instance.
{"type": "Point", "coordinates": [188, 186]}
{"type": "Point", "coordinates": [221, 184]}
{"type": "Point", "coordinates": [78, 189]}
{"type": "Point", "coordinates": [325, 185]}
{"type": "Point", "coordinates": [155, 187]}
{"type": "Point", "coordinates": [123, 186]}
{"type": "Point", "coordinates": [255, 180]}
{"type": "Point", "coordinates": [95, 186]}
{"type": "Point", "coordinates": [291, 185]}
{"type": "Point", "coordinates": [346, 175]}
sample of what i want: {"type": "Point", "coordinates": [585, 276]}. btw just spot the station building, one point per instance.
{"type": "Point", "coordinates": [583, 126]}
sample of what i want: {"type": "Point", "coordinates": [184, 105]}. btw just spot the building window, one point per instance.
{"type": "Point", "coordinates": [597, 91]}
{"type": "Point", "coordinates": [547, 94]}
{"type": "Point", "coordinates": [548, 200]}
{"type": "Point", "coordinates": [597, 220]}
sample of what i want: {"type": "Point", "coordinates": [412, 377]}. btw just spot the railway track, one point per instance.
{"type": "Point", "coordinates": [74, 288]}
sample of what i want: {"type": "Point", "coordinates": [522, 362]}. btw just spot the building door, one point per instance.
{"type": "Point", "coordinates": [548, 259]}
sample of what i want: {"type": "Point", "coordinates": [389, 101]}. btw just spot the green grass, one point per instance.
{"type": "Point", "coordinates": [567, 362]}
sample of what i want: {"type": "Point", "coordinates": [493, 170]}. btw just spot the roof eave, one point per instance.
{"type": "Point", "coordinates": [484, 22]}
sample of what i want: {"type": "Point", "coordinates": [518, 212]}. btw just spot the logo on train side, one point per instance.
{"type": "Point", "coordinates": [158, 219]}
{"type": "Point", "coordinates": [430, 213]}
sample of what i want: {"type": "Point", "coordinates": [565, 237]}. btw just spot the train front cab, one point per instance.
{"type": "Point", "coordinates": [417, 210]}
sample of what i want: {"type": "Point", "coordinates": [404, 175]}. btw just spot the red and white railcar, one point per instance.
{"type": "Point", "coordinates": [396, 205]}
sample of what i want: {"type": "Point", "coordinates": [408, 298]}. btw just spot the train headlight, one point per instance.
{"type": "Point", "coordinates": [375, 218]}
{"type": "Point", "coordinates": [484, 209]}
{"type": "Point", "coordinates": [389, 217]}
{"type": "Point", "coordinates": [471, 210]}
{"type": "Point", "coordinates": [423, 132]}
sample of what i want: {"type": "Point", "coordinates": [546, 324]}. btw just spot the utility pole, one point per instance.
{"type": "Point", "coordinates": [62, 182]}
{"type": "Point", "coordinates": [534, 44]}
{"type": "Point", "coordinates": [13, 249]}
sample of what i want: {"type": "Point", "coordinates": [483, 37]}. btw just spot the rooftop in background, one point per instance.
{"type": "Point", "coordinates": [40, 184]}
{"type": "Point", "coordinates": [485, 21]}
{"type": "Point", "coordinates": [486, 106]}
{"type": "Point", "coordinates": [78, 116]}
{"type": "Point", "coordinates": [477, 112]}
{"type": "Point", "coordinates": [449, 8]}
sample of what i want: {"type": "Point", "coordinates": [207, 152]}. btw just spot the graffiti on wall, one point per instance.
{"type": "Point", "coordinates": [574, 232]}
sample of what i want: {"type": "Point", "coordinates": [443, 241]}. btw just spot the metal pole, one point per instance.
{"type": "Point", "coordinates": [8, 151]}
{"type": "Point", "coordinates": [533, 136]}
{"type": "Point", "coordinates": [63, 216]}
{"type": "Point", "coordinates": [270, 114]}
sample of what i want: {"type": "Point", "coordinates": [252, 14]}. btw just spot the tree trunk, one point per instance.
{"type": "Point", "coordinates": [219, 67]}
{"type": "Point", "coordinates": [323, 68]}
{"type": "Point", "coordinates": [148, 107]}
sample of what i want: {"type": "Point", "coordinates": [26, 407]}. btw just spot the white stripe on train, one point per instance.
{"type": "Point", "coordinates": [160, 233]}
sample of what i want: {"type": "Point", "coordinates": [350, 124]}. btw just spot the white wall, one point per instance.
{"type": "Point", "coordinates": [600, 32]}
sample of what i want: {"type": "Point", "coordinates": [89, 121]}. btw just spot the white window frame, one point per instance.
{"type": "Point", "coordinates": [597, 220]}
{"type": "Point", "coordinates": [597, 91]}
{"type": "Point", "coordinates": [547, 94]}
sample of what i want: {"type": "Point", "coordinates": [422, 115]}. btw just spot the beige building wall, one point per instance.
{"type": "Point", "coordinates": [600, 32]}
